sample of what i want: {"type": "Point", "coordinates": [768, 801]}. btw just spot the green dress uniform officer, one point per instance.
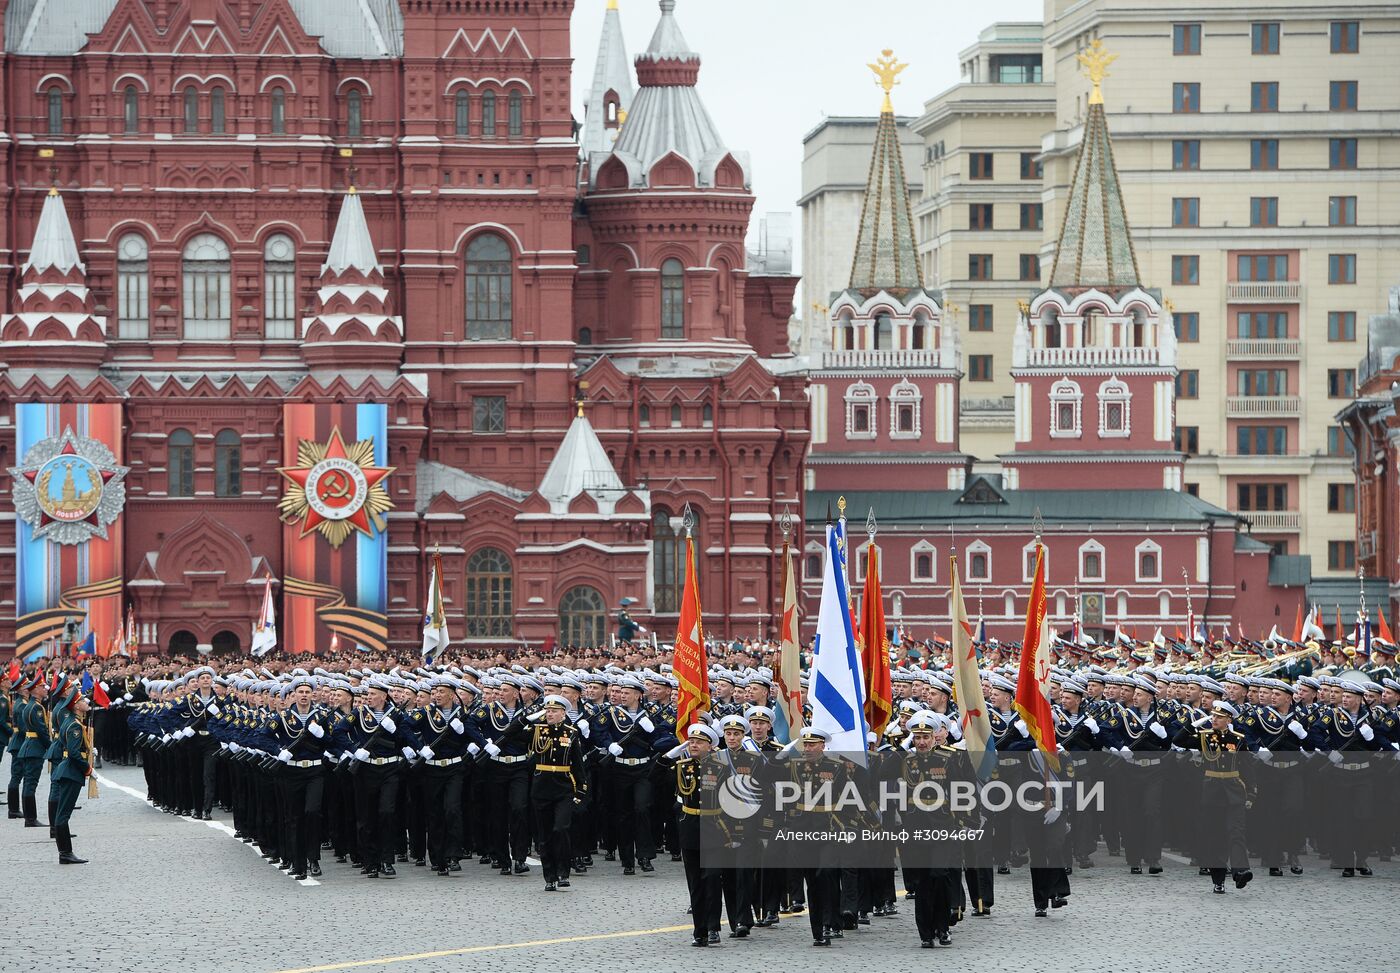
{"type": "Point", "coordinates": [72, 769]}
{"type": "Point", "coordinates": [30, 757]}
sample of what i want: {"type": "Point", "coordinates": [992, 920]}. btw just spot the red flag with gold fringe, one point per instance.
{"type": "Point", "coordinates": [689, 665]}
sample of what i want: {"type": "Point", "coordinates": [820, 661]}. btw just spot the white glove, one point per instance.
{"type": "Point", "coordinates": [388, 723]}
{"type": "Point", "coordinates": [223, 746]}
{"type": "Point", "coordinates": [315, 730]}
{"type": "Point", "coordinates": [1021, 728]}
{"type": "Point", "coordinates": [1335, 757]}
{"type": "Point", "coordinates": [285, 756]}
{"type": "Point", "coordinates": [908, 743]}
{"type": "Point", "coordinates": [648, 726]}
{"type": "Point", "coordinates": [1052, 815]}
{"type": "Point", "coordinates": [676, 752]}
{"type": "Point", "coordinates": [1202, 723]}
{"type": "Point", "coordinates": [457, 726]}
{"type": "Point", "coordinates": [1126, 753]}
{"type": "Point", "coordinates": [408, 753]}
{"type": "Point", "coordinates": [871, 738]}
{"type": "Point", "coordinates": [127, 697]}
{"type": "Point", "coordinates": [473, 749]}
{"type": "Point", "coordinates": [1091, 724]}
{"type": "Point", "coordinates": [1297, 729]}
{"type": "Point", "coordinates": [1158, 730]}
{"type": "Point", "coordinates": [189, 732]}
{"type": "Point", "coordinates": [536, 716]}
{"type": "Point", "coordinates": [165, 738]}
{"type": "Point", "coordinates": [213, 709]}
{"type": "Point", "coordinates": [1265, 754]}
{"type": "Point", "coordinates": [235, 748]}
{"type": "Point", "coordinates": [1366, 732]}
{"type": "Point", "coordinates": [361, 754]}
{"type": "Point", "coordinates": [615, 749]}
{"type": "Point", "coordinates": [584, 728]}
{"type": "Point", "coordinates": [426, 753]}
{"type": "Point", "coordinates": [954, 731]}
{"type": "Point", "coordinates": [493, 750]}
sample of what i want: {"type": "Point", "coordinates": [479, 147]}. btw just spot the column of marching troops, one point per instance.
{"type": "Point", "coordinates": [445, 766]}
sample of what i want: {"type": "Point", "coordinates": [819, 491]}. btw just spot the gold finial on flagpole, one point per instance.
{"type": "Point", "coordinates": [1095, 61]}
{"type": "Point", "coordinates": [887, 71]}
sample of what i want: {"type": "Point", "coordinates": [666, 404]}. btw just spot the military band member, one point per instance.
{"type": "Point", "coordinates": [556, 756]}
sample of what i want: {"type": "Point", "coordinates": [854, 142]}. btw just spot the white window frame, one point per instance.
{"type": "Point", "coordinates": [1028, 563]}
{"type": "Point", "coordinates": [1111, 391]}
{"type": "Point", "coordinates": [862, 393]}
{"type": "Point", "coordinates": [1146, 547]}
{"type": "Point", "coordinates": [906, 393]}
{"type": "Point", "coordinates": [923, 547]}
{"type": "Point", "coordinates": [978, 547]}
{"type": "Point", "coordinates": [1066, 391]}
{"type": "Point", "coordinates": [1092, 546]}
{"type": "Point", "coordinates": [813, 547]}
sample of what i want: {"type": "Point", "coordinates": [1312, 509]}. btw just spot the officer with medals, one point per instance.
{"type": "Point", "coordinates": [556, 757]}
{"type": "Point", "coordinates": [1223, 793]}
{"type": "Point", "coordinates": [929, 769]}
{"type": "Point", "coordinates": [770, 883]}
{"type": "Point", "coordinates": [699, 776]}
{"type": "Point", "coordinates": [816, 777]}
{"type": "Point", "coordinates": [738, 882]}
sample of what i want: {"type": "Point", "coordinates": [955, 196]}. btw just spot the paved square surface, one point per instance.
{"type": "Point", "coordinates": [169, 895]}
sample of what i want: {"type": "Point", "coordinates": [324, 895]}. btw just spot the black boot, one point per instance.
{"type": "Point", "coordinates": [31, 812]}
{"type": "Point", "coordinates": [12, 795]}
{"type": "Point", "coordinates": [65, 847]}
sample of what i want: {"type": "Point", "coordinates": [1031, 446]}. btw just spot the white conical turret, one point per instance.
{"type": "Point", "coordinates": [610, 97]}
{"type": "Point", "coordinates": [54, 246]}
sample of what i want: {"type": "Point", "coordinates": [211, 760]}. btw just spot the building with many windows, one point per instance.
{"type": "Point", "coordinates": [318, 288]}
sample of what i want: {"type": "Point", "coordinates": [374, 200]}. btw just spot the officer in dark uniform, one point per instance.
{"type": "Point", "coordinates": [929, 769]}
{"type": "Point", "coordinates": [1281, 738]}
{"type": "Point", "coordinates": [699, 776]}
{"type": "Point", "coordinates": [1077, 731]}
{"type": "Point", "coordinates": [502, 723]}
{"type": "Point", "coordinates": [378, 736]}
{"type": "Point", "coordinates": [449, 738]}
{"type": "Point", "coordinates": [1145, 737]}
{"type": "Point", "coordinates": [558, 785]}
{"type": "Point", "coordinates": [631, 737]}
{"type": "Point", "coordinates": [1223, 795]}
{"type": "Point", "coordinates": [299, 737]}
{"type": "Point", "coordinates": [6, 732]}
{"type": "Point", "coordinates": [1351, 740]}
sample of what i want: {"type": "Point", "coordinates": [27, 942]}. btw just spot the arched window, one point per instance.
{"type": "Point", "coordinates": [675, 415]}
{"type": "Point", "coordinates": [488, 115]}
{"type": "Point", "coordinates": [644, 414]}
{"type": "Point", "coordinates": [515, 114]}
{"type": "Point", "coordinates": [179, 464]}
{"type": "Point", "coordinates": [279, 287]}
{"type": "Point", "coordinates": [55, 111]}
{"type": "Point", "coordinates": [707, 416]}
{"type": "Point", "coordinates": [133, 287]}
{"type": "Point", "coordinates": [1115, 419]}
{"type": "Point", "coordinates": [884, 333]}
{"type": "Point", "coordinates": [183, 643]}
{"type": "Point", "coordinates": [279, 111]}
{"type": "Point", "coordinates": [1066, 409]}
{"type": "Point", "coordinates": [666, 567]}
{"type": "Point", "coordinates": [131, 110]}
{"type": "Point", "coordinates": [191, 111]}
{"type": "Point", "coordinates": [228, 464]}
{"type": "Point", "coordinates": [226, 643]}
{"type": "Point", "coordinates": [916, 332]}
{"type": "Point", "coordinates": [490, 604]}
{"type": "Point", "coordinates": [585, 336]}
{"type": "Point", "coordinates": [1051, 320]}
{"type": "Point", "coordinates": [672, 299]}
{"type": "Point", "coordinates": [354, 114]}
{"type": "Point", "coordinates": [207, 286]}
{"type": "Point", "coordinates": [582, 617]}
{"type": "Point", "coordinates": [463, 113]}
{"type": "Point", "coordinates": [488, 280]}
{"type": "Point", "coordinates": [216, 111]}
{"type": "Point", "coordinates": [813, 568]}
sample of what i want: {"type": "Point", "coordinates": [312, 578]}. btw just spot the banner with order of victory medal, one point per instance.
{"type": "Point", "coordinates": [69, 491]}
{"type": "Point", "coordinates": [335, 540]}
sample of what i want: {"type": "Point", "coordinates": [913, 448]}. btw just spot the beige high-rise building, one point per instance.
{"type": "Point", "coordinates": [1259, 152]}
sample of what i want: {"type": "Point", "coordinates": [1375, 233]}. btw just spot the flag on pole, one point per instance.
{"type": "Point", "coordinates": [967, 687]}
{"type": "Point", "coordinates": [1033, 683]}
{"type": "Point", "coordinates": [1363, 633]}
{"type": "Point", "coordinates": [335, 643]}
{"type": "Point", "coordinates": [837, 685]}
{"type": "Point", "coordinates": [875, 659]}
{"type": "Point", "coordinates": [265, 631]}
{"type": "Point", "coordinates": [131, 642]}
{"type": "Point", "coordinates": [688, 663]}
{"type": "Point", "coordinates": [1341, 629]}
{"type": "Point", "coordinates": [87, 646]}
{"type": "Point", "coordinates": [435, 636]}
{"type": "Point", "coordinates": [13, 673]}
{"type": "Point", "coordinates": [115, 646]}
{"type": "Point", "coordinates": [1384, 635]}
{"type": "Point", "coordinates": [100, 699]}
{"type": "Point", "coordinates": [1298, 625]}
{"type": "Point", "coordinates": [788, 671]}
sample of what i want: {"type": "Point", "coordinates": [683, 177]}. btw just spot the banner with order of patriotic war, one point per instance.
{"type": "Point", "coordinates": [335, 538]}
{"type": "Point", "coordinates": [69, 491]}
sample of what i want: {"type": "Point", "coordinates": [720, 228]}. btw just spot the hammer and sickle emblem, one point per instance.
{"type": "Point", "coordinates": [335, 485]}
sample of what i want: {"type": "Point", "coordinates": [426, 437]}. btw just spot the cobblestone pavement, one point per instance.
{"type": "Point", "coordinates": [168, 895]}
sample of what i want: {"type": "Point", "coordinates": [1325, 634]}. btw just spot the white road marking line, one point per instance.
{"type": "Point", "coordinates": [1176, 858]}
{"type": "Point", "coordinates": [216, 825]}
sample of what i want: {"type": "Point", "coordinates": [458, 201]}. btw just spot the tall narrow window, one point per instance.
{"type": "Point", "coordinates": [354, 114]}
{"type": "Point", "coordinates": [216, 111]}
{"type": "Point", "coordinates": [279, 111]}
{"type": "Point", "coordinates": [488, 115]}
{"type": "Point", "coordinates": [488, 280]}
{"type": "Point", "coordinates": [462, 114]}
{"type": "Point", "coordinates": [672, 299]}
{"type": "Point", "coordinates": [515, 114]}
{"type": "Point", "coordinates": [131, 110]}
{"type": "Point", "coordinates": [55, 111]}
{"type": "Point", "coordinates": [279, 287]}
{"type": "Point", "coordinates": [228, 464]}
{"type": "Point", "coordinates": [490, 602]}
{"type": "Point", "coordinates": [191, 111]}
{"type": "Point", "coordinates": [207, 288]}
{"type": "Point", "coordinates": [133, 287]}
{"type": "Point", "coordinates": [179, 464]}
{"type": "Point", "coordinates": [884, 333]}
{"type": "Point", "coordinates": [666, 564]}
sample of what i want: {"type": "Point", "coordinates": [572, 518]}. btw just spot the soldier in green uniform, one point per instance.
{"type": "Point", "coordinates": [34, 744]}
{"type": "Point", "coordinates": [6, 734]}
{"type": "Point", "coordinates": [69, 773]}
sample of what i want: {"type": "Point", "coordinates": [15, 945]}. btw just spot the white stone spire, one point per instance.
{"type": "Point", "coordinates": [581, 466]}
{"type": "Point", "coordinates": [54, 246]}
{"type": "Point", "coordinates": [610, 97]}
{"type": "Point", "coordinates": [351, 246]}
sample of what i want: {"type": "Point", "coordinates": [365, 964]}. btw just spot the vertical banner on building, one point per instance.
{"type": "Point", "coordinates": [69, 492]}
{"type": "Point", "coordinates": [335, 542]}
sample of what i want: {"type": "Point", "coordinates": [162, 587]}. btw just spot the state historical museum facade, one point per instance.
{"type": "Point", "coordinates": [307, 291]}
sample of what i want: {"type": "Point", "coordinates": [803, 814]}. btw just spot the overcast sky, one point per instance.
{"type": "Point", "coordinates": [772, 69]}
